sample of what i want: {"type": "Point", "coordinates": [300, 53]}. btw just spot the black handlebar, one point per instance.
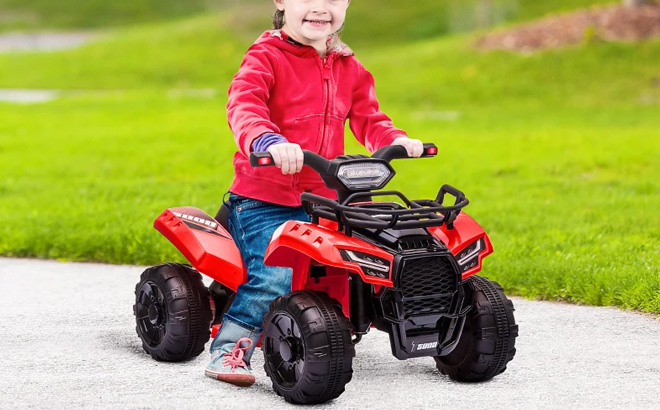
{"type": "Point", "coordinates": [321, 164]}
{"type": "Point", "coordinates": [350, 213]}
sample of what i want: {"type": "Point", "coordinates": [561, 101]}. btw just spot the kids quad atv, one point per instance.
{"type": "Point", "coordinates": [404, 267]}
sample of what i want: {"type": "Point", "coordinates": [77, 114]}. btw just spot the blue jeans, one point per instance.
{"type": "Point", "coordinates": [251, 224]}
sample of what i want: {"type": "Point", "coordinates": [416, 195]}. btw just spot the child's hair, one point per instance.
{"type": "Point", "coordinates": [278, 23]}
{"type": "Point", "coordinates": [278, 19]}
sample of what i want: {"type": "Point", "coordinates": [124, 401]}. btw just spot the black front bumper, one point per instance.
{"type": "Point", "coordinates": [425, 312]}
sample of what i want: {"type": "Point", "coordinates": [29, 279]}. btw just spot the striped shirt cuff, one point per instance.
{"type": "Point", "coordinates": [262, 143]}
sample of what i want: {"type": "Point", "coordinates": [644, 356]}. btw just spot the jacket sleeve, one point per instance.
{"type": "Point", "coordinates": [247, 108]}
{"type": "Point", "coordinates": [372, 127]}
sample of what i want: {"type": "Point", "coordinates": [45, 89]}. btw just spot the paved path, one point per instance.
{"type": "Point", "coordinates": [42, 41]}
{"type": "Point", "coordinates": [38, 42]}
{"type": "Point", "coordinates": [67, 340]}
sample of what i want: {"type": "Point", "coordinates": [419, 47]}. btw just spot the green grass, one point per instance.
{"type": "Point", "coordinates": [557, 151]}
{"type": "Point", "coordinates": [93, 13]}
{"type": "Point", "coordinates": [570, 217]}
{"type": "Point", "coordinates": [88, 174]}
{"type": "Point", "coordinates": [568, 204]}
{"type": "Point", "coordinates": [425, 19]}
{"type": "Point", "coordinates": [200, 52]}
{"type": "Point", "coordinates": [193, 52]}
{"type": "Point", "coordinates": [394, 21]}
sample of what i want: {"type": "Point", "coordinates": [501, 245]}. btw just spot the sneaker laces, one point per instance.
{"type": "Point", "coordinates": [235, 357]}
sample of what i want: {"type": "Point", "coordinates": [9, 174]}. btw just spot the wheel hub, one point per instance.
{"type": "Point", "coordinates": [154, 314]}
{"type": "Point", "coordinates": [284, 348]}
{"type": "Point", "coordinates": [289, 349]}
{"type": "Point", "coordinates": [151, 311]}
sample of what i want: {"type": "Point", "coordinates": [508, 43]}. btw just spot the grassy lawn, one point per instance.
{"type": "Point", "coordinates": [34, 14]}
{"type": "Point", "coordinates": [557, 151]}
{"type": "Point", "coordinates": [89, 174]}
{"type": "Point", "coordinates": [569, 217]}
{"type": "Point", "coordinates": [421, 20]}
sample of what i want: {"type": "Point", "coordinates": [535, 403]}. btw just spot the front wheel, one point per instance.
{"type": "Point", "coordinates": [488, 340]}
{"type": "Point", "coordinates": [308, 351]}
{"type": "Point", "coordinates": [172, 312]}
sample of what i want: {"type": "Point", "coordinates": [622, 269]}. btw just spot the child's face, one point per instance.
{"type": "Point", "coordinates": [312, 21]}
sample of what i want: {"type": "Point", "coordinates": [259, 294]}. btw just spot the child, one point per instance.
{"type": "Point", "coordinates": [295, 89]}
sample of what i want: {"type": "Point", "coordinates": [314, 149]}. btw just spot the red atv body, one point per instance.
{"type": "Point", "coordinates": [404, 267]}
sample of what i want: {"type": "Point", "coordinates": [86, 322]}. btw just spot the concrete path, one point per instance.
{"type": "Point", "coordinates": [67, 340]}
{"type": "Point", "coordinates": [38, 42]}
{"type": "Point", "coordinates": [42, 41]}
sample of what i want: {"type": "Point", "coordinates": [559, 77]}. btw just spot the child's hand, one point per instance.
{"type": "Point", "coordinates": [287, 156]}
{"type": "Point", "coordinates": [415, 148]}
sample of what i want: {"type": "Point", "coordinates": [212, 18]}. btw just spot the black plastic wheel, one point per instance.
{"type": "Point", "coordinates": [488, 340]}
{"type": "Point", "coordinates": [222, 297]}
{"type": "Point", "coordinates": [172, 312]}
{"type": "Point", "coordinates": [308, 351]}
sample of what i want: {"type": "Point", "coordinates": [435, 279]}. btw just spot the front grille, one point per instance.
{"type": "Point", "coordinates": [428, 284]}
{"type": "Point", "coordinates": [415, 243]}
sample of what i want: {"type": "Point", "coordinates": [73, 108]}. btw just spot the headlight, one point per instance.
{"type": "Point", "coordinates": [371, 265]}
{"type": "Point", "coordinates": [364, 175]}
{"type": "Point", "coordinates": [468, 258]}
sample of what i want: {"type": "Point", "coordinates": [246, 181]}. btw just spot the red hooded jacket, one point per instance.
{"type": "Point", "coordinates": [287, 88]}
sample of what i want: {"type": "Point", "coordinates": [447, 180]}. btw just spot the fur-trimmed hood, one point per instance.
{"type": "Point", "coordinates": [281, 40]}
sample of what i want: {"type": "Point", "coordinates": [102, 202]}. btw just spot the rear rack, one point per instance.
{"type": "Point", "coordinates": [420, 213]}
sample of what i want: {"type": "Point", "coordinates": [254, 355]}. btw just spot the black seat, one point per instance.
{"type": "Point", "coordinates": [223, 215]}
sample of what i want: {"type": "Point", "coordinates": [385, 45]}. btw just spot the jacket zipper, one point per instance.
{"type": "Point", "coordinates": [325, 72]}
{"type": "Point", "coordinates": [325, 66]}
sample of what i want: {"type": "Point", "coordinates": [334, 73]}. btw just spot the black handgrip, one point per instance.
{"type": "Point", "coordinates": [461, 202]}
{"type": "Point", "coordinates": [430, 150]}
{"type": "Point", "coordinates": [261, 159]}
{"type": "Point", "coordinates": [311, 159]}
{"type": "Point", "coordinates": [391, 152]}
{"type": "Point", "coordinates": [448, 189]}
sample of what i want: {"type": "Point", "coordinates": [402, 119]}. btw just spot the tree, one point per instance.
{"type": "Point", "coordinates": [485, 13]}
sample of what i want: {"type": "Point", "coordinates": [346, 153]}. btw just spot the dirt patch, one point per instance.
{"type": "Point", "coordinates": [610, 23]}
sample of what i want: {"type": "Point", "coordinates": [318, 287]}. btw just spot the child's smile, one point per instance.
{"type": "Point", "coordinates": [317, 23]}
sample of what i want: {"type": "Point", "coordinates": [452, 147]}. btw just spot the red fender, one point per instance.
{"type": "Point", "coordinates": [294, 243]}
{"type": "Point", "coordinates": [205, 243]}
{"type": "Point", "coordinates": [465, 232]}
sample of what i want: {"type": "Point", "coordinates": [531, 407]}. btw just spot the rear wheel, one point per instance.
{"type": "Point", "coordinates": [308, 351]}
{"type": "Point", "coordinates": [172, 312]}
{"type": "Point", "coordinates": [487, 342]}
